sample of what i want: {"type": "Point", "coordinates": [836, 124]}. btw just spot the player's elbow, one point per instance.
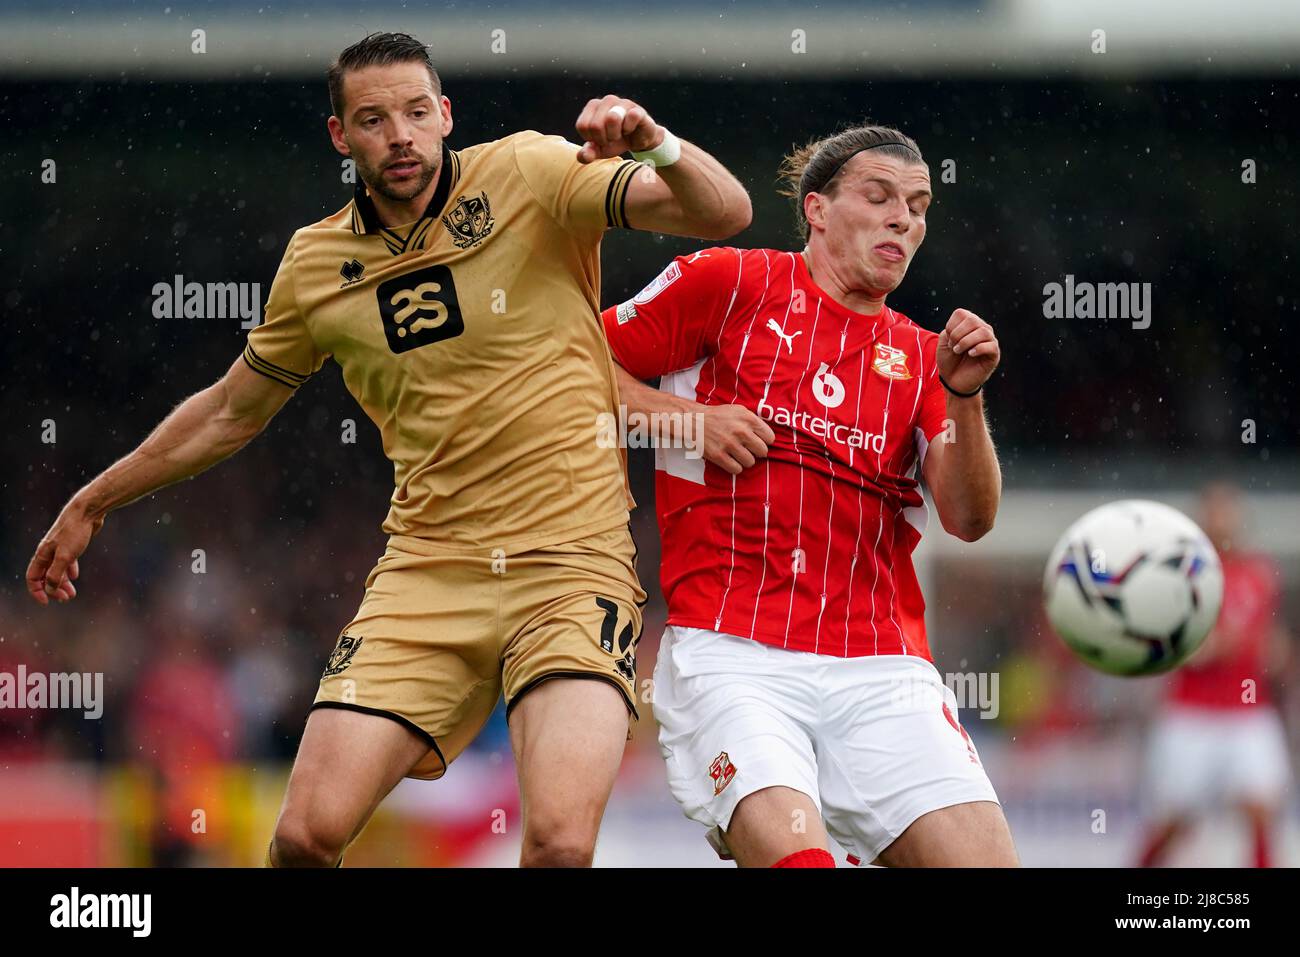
{"type": "Point", "coordinates": [973, 533]}
{"type": "Point", "coordinates": [733, 215]}
{"type": "Point", "coordinates": [737, 215]}
{"type": "Point", "coordinates": [236, 420]}
{"type": "Point", "coordinates": [970, 526]}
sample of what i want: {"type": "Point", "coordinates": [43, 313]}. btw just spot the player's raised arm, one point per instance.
{"type": "Point", "coordinates": [204, 429]}
{"type": "Point", "coordinates": [683, 191]}
{"type": "Point", "coordinates": [961, 466]}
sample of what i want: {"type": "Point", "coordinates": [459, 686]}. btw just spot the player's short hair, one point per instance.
{"type": "Point", "coordinates": [815, 166]}
{"type": "Point", "coordinates": [378, 49]}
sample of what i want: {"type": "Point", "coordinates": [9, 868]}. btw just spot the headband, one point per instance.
{"type": "Point", "coordinates": [840, 164]}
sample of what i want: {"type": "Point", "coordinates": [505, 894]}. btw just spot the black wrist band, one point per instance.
{"type": "Point", "coordinates": [961, 395]}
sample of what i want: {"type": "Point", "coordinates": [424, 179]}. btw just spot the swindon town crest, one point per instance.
{"type": "Point", "coordinates": [470, 220]}
{"type": "Point", "coordinates": [722, 771]}
{"type": "Point", "coordinates": [890, 362]}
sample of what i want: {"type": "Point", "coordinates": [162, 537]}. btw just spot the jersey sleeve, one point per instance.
{"type": "Point", "coordinates": [675, 321]}
{"type": "Point", "coordinates": [281, 348]}
{"type": "Point", "coordinates": [933, 413]}
{"type": "Point", "coordinates": [581, 197]}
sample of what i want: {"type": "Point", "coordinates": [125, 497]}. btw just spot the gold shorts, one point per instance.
{"type": "Point", "coordinates": [441, 633]}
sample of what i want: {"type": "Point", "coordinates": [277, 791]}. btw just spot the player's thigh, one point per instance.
{"type": "Point", "coordinates": [422, 650]}
{"type": "Point", "coordinates": [347, 763]}
{"type": "Point", "coordinates": [734, 719]}
{"type": "Point", "coordinates": [568, 737]}
{"type": "Point", "coordinates": [572, 609]}
{"type": "Point", "coordinates": [773, 823]}
{"type": "Point", "coordinates": [572, 620]}
{"type": "Point", "coordinates": [963, 835]}
{"type": "Point", "coordinates": [891, 753]}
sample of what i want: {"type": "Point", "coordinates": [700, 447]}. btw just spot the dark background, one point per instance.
{"type": "Point", "coordinates": [1112, 182]}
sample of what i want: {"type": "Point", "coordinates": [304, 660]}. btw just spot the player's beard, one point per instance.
{"type": "Point", "coordinates": [373, 177]}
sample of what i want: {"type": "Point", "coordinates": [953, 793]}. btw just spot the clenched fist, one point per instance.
{"type": "Point", "coordinates": [968, 351]}
{"type": "Point", "coordinates": [612, 126]}
{"type": "Point", "coordinates": [734, 437]}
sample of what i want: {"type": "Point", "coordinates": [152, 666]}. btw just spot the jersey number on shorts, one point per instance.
{"type": "Point", "coordinates": [627, 664]}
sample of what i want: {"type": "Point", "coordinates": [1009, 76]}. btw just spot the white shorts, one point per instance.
{"type": "Point", "coordinates": [1201, 757]}
{"type": "Point", "coordinates": [873, 741]}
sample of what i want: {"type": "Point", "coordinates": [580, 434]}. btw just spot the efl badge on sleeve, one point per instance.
{"type": "Point", "coordinates": [672, 272]}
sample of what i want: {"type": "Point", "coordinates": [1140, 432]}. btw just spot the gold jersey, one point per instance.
{"type": "Point", "coordinates": [472, 339]}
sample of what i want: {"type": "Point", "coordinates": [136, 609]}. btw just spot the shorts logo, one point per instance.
{"type": "Point", "coordinates": [626, 666]}
{"type": "Point", "coordinates": [419, 308]}
{"type": "Point", "coordinates": [470, 220]}
{"type": "Point", "coordinates": [722, 771]}
{"type": "Point", "coordinates": [970, 748]}
{"type": "Point", "coordinates": [890, 362]}
{"type": "Point", "coordinates": [341, 656]}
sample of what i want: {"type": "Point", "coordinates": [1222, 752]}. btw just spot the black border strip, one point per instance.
{"type": "Point", "coordinates": [622, 199]}
{"type": "Point", "coordinates": [616, 195]}
{"type": "Point", "coordinates": [269, 375]}
{"type": "Point", "coordinates": [609, 195]}
{"type": "Point", "coordinates": [627, 700]}
{"type": "Point", "coordinates": [380, 713]}
{"type": "Point", "coordinates": [287, 373]}
{"type": "Point", "coordinates": [273, 376]}
{"type": "Point", "coordinates": [416, 239]}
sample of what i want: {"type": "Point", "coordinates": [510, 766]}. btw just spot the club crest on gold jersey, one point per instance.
{"type": "Point", "coordinates": [470, 220]}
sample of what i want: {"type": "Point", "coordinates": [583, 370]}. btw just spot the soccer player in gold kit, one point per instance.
{"type": "Point", "coordinates": [459, 292]}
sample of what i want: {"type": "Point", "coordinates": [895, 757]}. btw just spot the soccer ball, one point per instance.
{"type": "Point", "coordinates": [1133, 587]}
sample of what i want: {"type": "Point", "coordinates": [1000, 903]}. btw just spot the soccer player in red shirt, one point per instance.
{"type": "Point", "coordinates": [794, 688]}
{"type": "Point", "coordinates": [1220, 739]}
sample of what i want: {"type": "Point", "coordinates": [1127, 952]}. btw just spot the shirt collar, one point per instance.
{"type": "Point", "coordinates": [365, 218]}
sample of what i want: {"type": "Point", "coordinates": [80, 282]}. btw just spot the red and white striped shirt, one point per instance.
{"type": "Point", "coordinates": [810, 549]}
{"type": "Point", "coordinates": [1248, 618]}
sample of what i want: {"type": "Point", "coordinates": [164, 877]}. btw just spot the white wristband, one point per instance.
{"type": "Point", "coordinates": [665, 154]}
